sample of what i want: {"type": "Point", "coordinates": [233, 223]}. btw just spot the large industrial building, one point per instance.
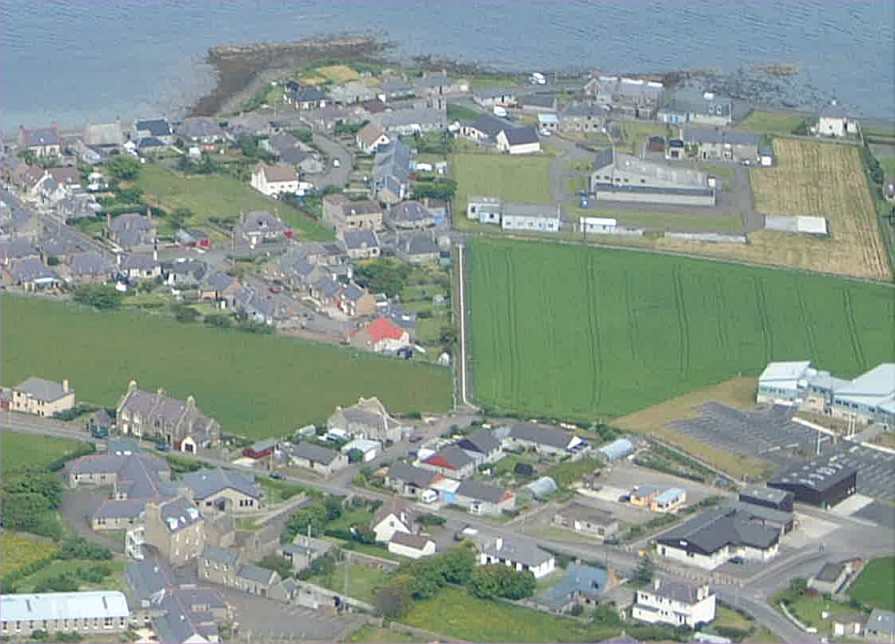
{"type": "Point", "coordinates": [869, 398]}
{"type": "Point", "coordinates": [622, 177]}
{"type": "Point", "coordinates": [823, 482]}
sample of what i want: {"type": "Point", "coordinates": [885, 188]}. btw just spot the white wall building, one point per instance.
{"type": "Point", "coordinates": [274, 180]}
{"type": "Point", "coordinates": [674, 603]}
{"type": "Point", "coordinates": [90, 613]}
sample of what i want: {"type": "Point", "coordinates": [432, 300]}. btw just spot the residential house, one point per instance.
{"type": "Point", "coordinates": [89, 613]}
{"type": "Point", "coordinates": [440, 84]}
{"type": "Point", "coordinates": [411, 481]}
{"type": "Point", "coordinates": [175, 528]}
{"type": "Point", "coordinates": [484, 129]}
{"type": "Point", "coordinates": [342, 213]}
{"type": "Point", "coordinates": [674, 603]}
{"type": "Point", "coordinates": [317, 458]}
{"type": "Point", "coordinates": [623, 177]}
{"type": "Point", "coordinates": [202, 130]}
{"type": "Point", "coordinates": [131, 231]}
{"type": "Point", "coordinates": [184, 273]}
{"type": "Point", "coordinates": [68, 176]}
{"type": "Point", "coordinates": [42, 142]}
{"type": "Point", "coordinates": [368, 418]}
{"type": "Point", "coordinates": [409, 215]}
{"type": "Point", "coordinates": [541, 438]}
{"type": "Point", "coordinates": [382, 336]}
{"type": "Point", "coordinates": [275, 180]}
{"type": "Point", "coordinates": [587, 520]}
{"type": "Point", "coordinates": [42, 397]}
{"type": "Point", "coordinates": [361, 243]}
{"type": "Point", "coordinates": [29, 179]}
{"type": "Point", "coordinates": [630, 97]}
{"type": "Point", "coordinates": [849, 625]}
{"type": "Point", "coordinates": [582, 117]}
{"type": "Point", "coordinates": [833, 121]}
{"type": "Point", "coordinates": [450, 461]}
{"type": "Point", "coordinates": [830, 579]}
{"type": "Point", "coordinates": [256, 580]}
{"type": "Point", "coordinates": [392, 88]}
{"type": "Point", "coordinates": [880, 626]}
{"type": "Point", "coordinates": [498, 97]}
{"type": "Point", "coordinates": [368, 449]}
{"type": "Point", "coordinates": [373, 107]}
{"type": "Point", "coordinates": [657, 499]}
{"type": "Point", "coordinates": [219, 288]}
{"type": "Point", "coordinates": [31, 274]}
{"type": "Point", "coordinates": [482, 445]}
{"type": "Point", "coordinates": [351, 92]}
{"type": "Point", "coordinates": [391, 172]}
{"type": "Point", "coordinates": [16, 249]}
{"type": "Point", "coordinates": [137, 267]}
{"type": "Point", "coordinates": [259, 226]}
{"type": "Point", "coordinates": [158, 128]}
{"type": "Point", "coordinates": [688, 106]}
{"type": "Point", "coordinates": [355, 301]}
{"type": "Point", "coordinates": [104, 136]}
{"type": "Point", "coordinates": [418, 247]}
{"type": "Point", "coordinates": [715, 536]}
{"type": "Point", "coordinates": [290, 151]}
{"type": "Point", "coordinates": [178, 423]}
{"type": "Point", "coordinates": [413, 120]}
{"type": "Point", "coordinates": [413, 546]}
{"type": "Point", "coordinates": [537, 103]}
{"type": "Point", "coordinates": [548, 123]}
{"type": "Point", "coordinates": [523, 556]}
{"type": "Point", "coordinates": [371, 137]}
{"type": "Point", "coordinates": [722, 144]}
{"type": "Point", "coordinates": [219, 566]}
{"type": "Point", "coordinates": [223, 490]}
{"type": "Point", "coordinates": [392, 518]}
{"type": "Point", "coordinates": [582, 585]}
{"type": "Point", "coordinates": [484, 499]}
{"type": "Point", "coordinates": [304, 97]}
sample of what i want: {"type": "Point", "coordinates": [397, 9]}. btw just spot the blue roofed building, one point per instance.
{"type": "Point", "coordinates": [581, 585]}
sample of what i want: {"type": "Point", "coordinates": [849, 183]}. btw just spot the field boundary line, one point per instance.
{"type": "Point", "coordinates": [853, 329]}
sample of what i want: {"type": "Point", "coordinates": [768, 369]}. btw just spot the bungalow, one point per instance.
{"type": "Point", "coordinates": [413, 120]}
{"type": "Point", "coordinates": [389, 519]}
{"type": "Point", "coordinates": [544, 440]}
{"type": "Point", "coordinates": [382, 336]}
{"type": "Point", "coordinates": [530, 217]}
{"type": "Point", "coordinates": [42, 142]}
{"type": "Point", "coordinates": [274, 180]}
{"type": "Point", "coordinates": [409, 215]}
{"type": "Point", "coordinates": [317, 458]}
{"type": "Point", "coordinates": [495, 98]}
{"type": "Point", "coordinates": [484, 129]}
{"type": "Point", "coordinates": [581, 585]}
{"type": "Point", "coordinates": [260, 449]}
{"type": "Point", "coordinates": [690, 107]}
{"type": "Point", "coordinates": [260, 226]}
{"type": "Point", "coordinates": [371, 137]}
{"type": "Point", "coordinates": [411, 481]}
{"type": "Point", "coordinates": [880, 626]}
{"type": "Point", "coordinates": [482, 498]}
{"type": "Point", "coordinates": [219, 288]}
{"type": "Point", "coordinates": [482, 445]}
{"type": "Point", "coordinates": [450, 461]}
{"type": "Point", "coordinates": [833, 121]}
{"type": "Point", "coordinates": [723, 144]}
{"type": "Point", "coordinates": [518, 140]}
{"type": "Point", "coordinates": [42, 397]}
{"type": "Point", "coordinates": [393, 87]}
{"type": "Point", "coordinates": [413, 546]}
{"type": "Point", "coordinates": [201, 129]}
{"type": "Point", "coordinates": [582, 117]}
{"type": "Point", "coordinates": [184, 273]}
{"type": "Point", "coordinates": [522, 556]}
{"type": "Point", "coordinates": [361, 243]}
{"type": "Point", "coordinates": [223, 490]}
{"type": "Point", "coordinates": [674, 603]}
{"type": "Point", "coordinates": [417, 247]}
{"type": "Point", "coordinates": [657, 499]}
{"type": "Point", "coordinates": [342, 213]}
{"type": "Point", "coordinates": [586, 520]}
{"type": "Point", "coordinates": [830, 579]}
{"type": "Point", "coordinates": [538, 103]}
{"type": "Point", "coordinates": [548, 122]}
{"type": "Point", "coordinates": [849, 625]}
{"type": "Point", "coordinates": [304, 97]}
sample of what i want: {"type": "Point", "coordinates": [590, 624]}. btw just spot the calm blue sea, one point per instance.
{"type": "Point", "coordinates": [72, 61]}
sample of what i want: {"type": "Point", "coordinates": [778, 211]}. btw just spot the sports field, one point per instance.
{"type": "Point", "coordinates": [218, 196]}
{"type": "Point", "coordinates": [576, 332]}
{"type": "Point", "coordinates": [524, 179]}
{"type": "Point", "coordinates": [255, 385]}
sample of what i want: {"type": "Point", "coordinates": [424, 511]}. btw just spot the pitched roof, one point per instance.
{"type": "Point", "coordinates": [450, 457]}
{"type": "Point", "coordinates": [207, 482]}
{"type": "Point", "coordinates": [523, 552]}
{"type": "Point", "coordinates": [482, 441]}
{"type": "Point", "coordinates": [713, 529]}
{"type": "Point", "coordinates": [384, 329]}
{"type": "Point", "coordinates": [277, 173]}
{"type": "Point", "coordinates": [414, 475]}
{"type": "Point", "coordinates": [479, 491]}
{"type": "Point", "coordinates": [521, 135]}
{"type": "Point", "coordinates": [64, 606]}
{"type": "Point", "coordinates": [315, 453]}
{"type": "Point", "coordinates": [221, 555]}
{"type": "Point", "coordinates": [678, 591]}
{"type": "Point", "coordinates": [360, 238]}
{"type": "Point", "coordinates": [370, 133]}
{"type": "Point", "coordinates": [90, 263]}
{"type": "Point", "coordinates": [155, 127]}
{"type": "Point", "coordinates": [179, 513]}
{"type": "Point", "coordinates": [40, 136]}
{"type": "Point", "coordinates": [409, 212]}
{"type": "Point", "coordinates": [489, 125]}
{"type": "Point", "coordinates": [540, 434]}
{"type": "Point", "coordinates": [256, 573]}
{"type": "Point", "coordinates": [579, 579]}
{"type": "Point", "coordinates": [415, 541]}
{"type": "Point", "coordinates": [41, 389]}
{"type": "Point", "coordinates": [31, 269]}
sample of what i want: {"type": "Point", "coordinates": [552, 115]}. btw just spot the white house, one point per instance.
{"type": "Point", "coordinates": [531, 217]}
{"type": "Point", "coordinates": [674, 603]}
{"type": "Point", "coordinates": [389, 520]}
{"type": "Point", "coordinates": [368, 448]}
{"type": "Point", "coordinates": [518, 140]}
{"type": "Point", "coordinates": [371, 137]}
{"type": "Point", "coordinates": [833, 121]}
{"type": "Point", "coordinates": [274, 180]}
{"type": "Point", "coordinates": [414, 546]}
{"type": "Point", "coordinates": [519, 555]}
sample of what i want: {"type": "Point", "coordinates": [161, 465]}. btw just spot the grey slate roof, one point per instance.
{"type": "Point", "coordinates": [31, 269]}
{"type": "Point", "coordinates": [481, 440]}
{"type": "Point", "coordinates": [678, 591]}
{"type": "Point", "coordinates": [538, 100]}
{"type": "Point", "coordinates": [521, 135]}
{"type": "Point", "coordinates": [392, 160]}
{"type": "Point", "coordinates": [819, 474]}
{"type": "Point", "coordinates": [315, 453]}
{"type": "Point", "coordinates": [409, 213]}
{"type": "Point", "coordinates": [830, 572]}
{"type": "Point", "coordinates": [416, 541]}
{"type": "Point", "coordinates": [409, 474]}
{"type": "Point", "coordinates": [579, 580]}
{"type": "Point", "coordinates": [479, 491]}
{"type": "Point", "coordinates": [199, 127]}
{"type": "Point", "coordinates": [489, 125]}
{"type": "Point", "coordinates": [360, 238]}
{"type": "Point", "coordinates": [179, 513]}
{"type": "Point", "coordinates": [713, 529]}
{"type": "Point", "coordinates": [523, 552]}
{"type": "Point", "coordinates": [221, 555]}
{"type": "Point", "coordinates": [417, 244]}
{"type": "Point", "coordinates": [540, 434]}
{"type": "Point", "coordinates": [16, 249]}
{"type": "Point", "coordinates": [255, 573]}
{"type": "Point", "coordinates": [218, 281]}
{"type": "Point", "coordinates": [882, 622]}
{"type": "Point", "coordinates": [41, 136]}
{"type": "Point", "coordinates": [90, 263]}
{"type": "Point", "coordinates": [155, 127]}
{"type": "Point", "coordinates": [453, 455]}
{"type": "Point", "coordinates": [719, 136]}
{"type": "Point", "coordinates": [139, 262]}
{"type": "Point", "coordinates": [41, 389]}
{"type": "Point", "coordinates": [208, 482]}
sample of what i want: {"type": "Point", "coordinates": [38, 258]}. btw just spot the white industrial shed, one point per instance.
{"type": "Point", "coordinates": [798, 224]}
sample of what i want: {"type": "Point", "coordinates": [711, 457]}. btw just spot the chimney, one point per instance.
{"type": "Point", "coordinates": [65, 385]}
{"type": "Point", "coordinates": [190, 402]}
{"type": "Point", "coordinates": [118, 259]}
{"type": "Point", "coordinates": [498, 543]}
{"type": "Point", "coordinates": [155, 252]}
{"type": "Point", "coordinates": [109, 220]}
{"type": "Point", "coordinates": [657, 583]}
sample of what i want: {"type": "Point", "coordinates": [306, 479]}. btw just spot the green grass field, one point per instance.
{"type": "Point", "coordinates": [256, 386]}
{"type": "Point", "coordinates": [876, 584]}
{"type": "Point", "coordinates": [662, 221]}
{"type": "Point", "coordinates": [361, 581]}
{"type": "Point", "coordinates": [576, 332]}
{"type": "Point", "coordinates": [18, 550]}
{"type": "Point", "coordinates": [18, 451]}
{"type": "Point", "coordinates": [762, 122]}
{"type": "Point", "coordinates": [220, 197]}
{"type": "Point", "coordinates": [513, 178]}
{"type": "Point", "coordinates": [457, 614]}
{"type": "Point", "coordinates": [114, 581]}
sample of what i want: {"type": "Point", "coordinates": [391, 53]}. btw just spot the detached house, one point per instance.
{"type": "Point", "coordinates": [260, 226]}
{"type": "Point", "coordinates": [518, 140]}
{"type": "Point", "coordinates": [411, 481]}
{"type": "Point", "coordinates": [131, 231]}
{"type": "Point", "coordinates": [42, 397]}
{"type": "Point", "coordinates": [482, 445]}
{"type": "Point", "coordinates": [178, 423]}
{"type": "Point", "coordinates": [674, 603]}
{"type": "Point", "coordinates": [393, 518]}
{"type": "Point", "coordinates": [361, 243]}
{"type": "Point", "coordinates": [482, 498]}
{"type": "Point", "coordinates": [342, 213]}
{"type": "Point", "coordinates": [367, 419]}
{"type": "Point", "coordinates": [275, 180]}
{"type": "Point", "coordinates": [371, 137]}
{"type": "Point", "coordinates": [317, 458]}
{"type": "Point", "coordinates": [42, 142]}
{"type": "Point", "coordinates": [450, 461]}
{"type": "Point", "coordinates": [522, 556]}
{"type": "Point", "coordinates": [223, 490]}
{"type": "Point", "coordinates": [542, 439]}
{"type": "Point", "coordinates": [382, 336]}
{"type": "Point", "coordinates": [304, 97]}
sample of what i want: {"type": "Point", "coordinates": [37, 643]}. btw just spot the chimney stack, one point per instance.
{"type": "Point", "coordinates": [65, 385]}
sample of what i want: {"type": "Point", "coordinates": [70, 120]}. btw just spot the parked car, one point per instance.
{"type": "Point", "coordinates": [277, 475]}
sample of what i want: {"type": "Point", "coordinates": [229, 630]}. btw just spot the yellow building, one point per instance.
{"type": "Point", "coordinates": [42, 397]}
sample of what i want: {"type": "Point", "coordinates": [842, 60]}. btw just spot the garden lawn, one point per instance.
{"type": "Point", "coordinates": [256, 386]}
{"type": "Point", "coordinates": [362, 580]}
{"type": "Point", "coordinates": [372, 634]}
{"type": "Point", "coordinates": [456, 614]}
{"type": "Point", "coordinates": [582, 333]}
{"type": "Point", "coordinates": [762, 122]}
{"type": "Point", "coordinates": [220, 197]}
{"type": "Point", "coordinates": [665, 221]}
{"type": "Point", "coordinates": [523, 179]}
{"type": "Point", "coordinates": [875, 586]}
{"type": "Point", "coordinates": [19, 451]}
{"type": "Point", "coordinates": [18, 550]}
{"type": "Point", "coordinates": [70, 566]}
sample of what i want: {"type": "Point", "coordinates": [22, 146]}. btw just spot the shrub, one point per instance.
{"type": "Point", "coordinates": [394, 600]}
{"type": "Point", "coordinates": [100, 296]}
{"type": "Point", "coordinates": [278, 564]}
{"type": "Point", "coordinates": [495, 580]}
{"type": "Point", "coordinates": [80, 548]}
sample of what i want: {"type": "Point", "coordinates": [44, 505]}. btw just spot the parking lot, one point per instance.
{"type": "Point", "coordinates": [770, 434]}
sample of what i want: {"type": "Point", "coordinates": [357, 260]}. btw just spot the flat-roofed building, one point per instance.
{"type": "Point", "coordinates": [824, 481]}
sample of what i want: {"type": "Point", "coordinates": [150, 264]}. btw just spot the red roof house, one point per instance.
{"type": "Point", "coordinates": [381, 335]}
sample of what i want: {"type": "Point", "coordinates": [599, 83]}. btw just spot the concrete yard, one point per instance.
{"type": "Point", "coordinates": [626, 475]}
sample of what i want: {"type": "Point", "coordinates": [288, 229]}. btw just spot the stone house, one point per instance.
{"type": "Point", "coordinates": [368, 418]}
{"type": "Point", "coordinates": [342, 213]}
{"type": "Point", "coordinates": [175, 528]}
{"type": "Point", "coordinates": [317, 458]}
{"type": "Point", "coordinates": [220, 490]}
{"type": "Point", "coordinates": [42, 397]}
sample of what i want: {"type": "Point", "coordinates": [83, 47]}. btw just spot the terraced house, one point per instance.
{"type": "Point", "coordinates": [177, 423]}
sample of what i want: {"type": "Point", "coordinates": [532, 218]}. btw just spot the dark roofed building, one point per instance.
{"type": "Point", "coordinates": [450, 461]}
{"type": "Point", "coordinates": [823, 482]}
{"type": "Point", "coordinates": [409, 215]}
{"type": "Point", "coordinates": [317, 458]}
{"type": "Point", "coordinates": [483, 498]}
{"type": "Point", "coordinates": [768, 497]}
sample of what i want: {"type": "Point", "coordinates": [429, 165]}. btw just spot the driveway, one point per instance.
{"type": "Point", "coordinates": [332, 149]}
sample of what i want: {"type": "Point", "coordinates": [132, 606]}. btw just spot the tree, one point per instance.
{"type": "Point", "coordinates": [279, 564]}
{"type": "Point", "coordinates": [130, 195]}
{"type": "Point", "coordinates": [311, 517]}
{"type": "Point", "coordinates": [44, 484]}
{"type": "Point", "coordinates": [123, 167]}
{"type": "Point", "coordinates": [100, 296]}
{"type": "Point", "coordinates": [80, 548]}
{"type": "Point", "coordinates": [645, 571]}
{"type": "Point", "coordinates": [180, 216]}
{"type": "Point", "coordinates": [383, 276]}
{"type": "Point", "coordinates": [333, 506]}
{"type": "Point", "coordinates": [458, 564]}
{"type": "Point", "coordinates": [393, 600]}
{"type": "Point", "coordinates": [496, 580]}
{"type": "Point", "coordinates": [184, 312]}
{"type": "Point", "coordinates": [355, 455]}
{"type": "Point", "coordinates": [64, 583]}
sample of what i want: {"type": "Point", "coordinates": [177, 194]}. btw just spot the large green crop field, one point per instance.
{"type": "Point", "coordinates": [576, 332]}
{"type": "Point", "coordinates": [254, 385]}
